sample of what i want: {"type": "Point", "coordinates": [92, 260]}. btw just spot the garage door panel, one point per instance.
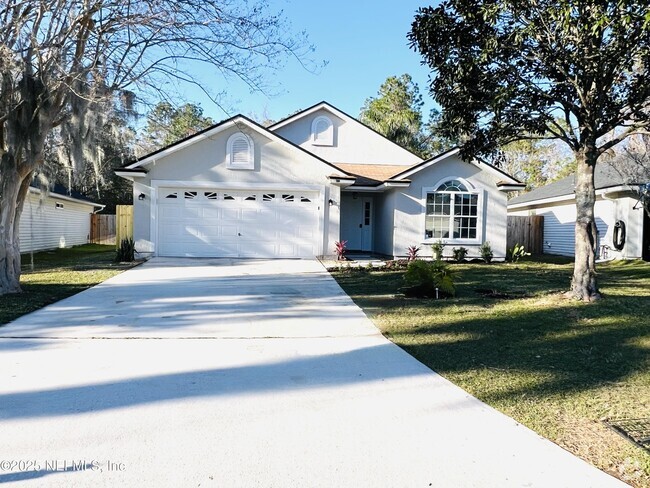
{"type": "Point", "coordinates": [216, 223]}
{"type": "Point", "coordinates": [229, 230]}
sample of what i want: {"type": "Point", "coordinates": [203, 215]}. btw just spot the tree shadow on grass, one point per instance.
{"type": "Point", "coordinates": [562, 345]}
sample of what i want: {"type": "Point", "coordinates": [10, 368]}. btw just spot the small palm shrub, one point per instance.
{"type": "Point", "coordinates": [126, 251]}
{"type": "Point", "coordinates": [422, 278]}
{"type": "Point", "coordinates": [486, 252]}
{"type": "Point", "coordinates": [459, 253]}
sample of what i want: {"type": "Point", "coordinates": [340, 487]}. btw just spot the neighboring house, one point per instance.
{"type": "Point", "coordinates": [616, 201]}
{"type": "Point", "coordinates": [238, 189]}
{"type": "Point", "coordinates": [55, 219]}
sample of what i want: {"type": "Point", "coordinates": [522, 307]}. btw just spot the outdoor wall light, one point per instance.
{"type": "Point", "coordinates": [332, 202]}
{"type": "Point", "coordinates": [141, 196]}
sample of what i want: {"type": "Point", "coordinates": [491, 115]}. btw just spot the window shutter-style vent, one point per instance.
{"type": "Point", "coordinates": [268, 197]}
{"type": "Point", "coordinates": [210, 195]}
{"type": "Point", "coordinates": [190, 195]}
{"type": "Point", "coordinates": [240, 152]}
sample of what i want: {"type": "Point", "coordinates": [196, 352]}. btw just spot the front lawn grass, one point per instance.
{"type": "Point", "coordinates": [555, 365]}
{"type": "Point", "coordinates": [57, 274]}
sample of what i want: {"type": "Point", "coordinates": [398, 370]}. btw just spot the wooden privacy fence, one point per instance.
{"type": "Point", "coordinates": [124, 223]}
{"type": "Point", "coordinates": [527, 231]}
{"type": "Point", "coordinates": [102, 229]}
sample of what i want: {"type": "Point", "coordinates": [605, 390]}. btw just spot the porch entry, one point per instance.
{"type": "Point", "coordinates": [356, 221]}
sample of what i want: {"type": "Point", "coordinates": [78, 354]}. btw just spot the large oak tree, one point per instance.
{"type": "Point", "coordinates": [574, 70]}
{"type": "Point", "coordinates": [64, 63]}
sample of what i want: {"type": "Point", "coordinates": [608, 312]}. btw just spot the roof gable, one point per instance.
{"type": "Point", "coordinates": [238, 120]}
{"type": "Point", "coordinates": [341, 115]}
{"type": "Point", "coordinates": [504, 178]}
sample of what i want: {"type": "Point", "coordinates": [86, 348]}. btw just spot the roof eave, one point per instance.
{"type": "Point", "coordinates": [341, 181]}
{"type": "Point", "coordinates": [568, 196]}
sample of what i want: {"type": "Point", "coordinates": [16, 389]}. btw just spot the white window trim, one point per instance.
{"type": "Point", "coordinates": [328, 135]}
{"type": "Point", "coordinates": [250, 164]}
{"type": "Point", "coordinates": [480, 211]}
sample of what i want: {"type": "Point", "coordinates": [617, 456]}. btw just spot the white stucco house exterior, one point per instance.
{"type": "Point", "coordinates": [55, 219]}
{"type": "Point", "coordinates": [293, 189]}
{"type": "Point", "coordinates": [617, 202]}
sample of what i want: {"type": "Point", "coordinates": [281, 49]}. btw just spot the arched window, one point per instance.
{"type": "Point", "coordinates": [452, 212]}
{"type": "Point", "coordinates": [239, 152]}
{"type": "Point", "coordinates": [322, 131]}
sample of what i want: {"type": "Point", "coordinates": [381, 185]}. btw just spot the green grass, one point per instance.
{"type": "Point", "coordinates": [556, 365]}
{"type": "Point", "coordinates": [58, 274]}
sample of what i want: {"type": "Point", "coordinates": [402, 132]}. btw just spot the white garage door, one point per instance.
{"type": "Point", "coordinates": [202, 222]}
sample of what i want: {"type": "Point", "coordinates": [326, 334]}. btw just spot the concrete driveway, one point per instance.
{"type": "Point", "coordinates": [246, 373]}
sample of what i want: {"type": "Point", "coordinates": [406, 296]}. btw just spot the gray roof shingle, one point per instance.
{"type": "Point", "coordinates": [605, 176]}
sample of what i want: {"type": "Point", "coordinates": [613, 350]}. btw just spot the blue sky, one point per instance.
{"type": "Point", "coordinates": [362, 41]}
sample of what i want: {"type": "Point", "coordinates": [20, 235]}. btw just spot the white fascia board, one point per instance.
{"type": "Point", "coordinates": [396, 184]}
{"type": "Point", "coordinates": [569, 197]}
{"type": "Point", "coordinates": [58, 196]}
{"type": "Point", "coordinates": [505, 188]}
{"type": "Point", "coordinates": [373, 189]}
{"type": "Point", "coordinates": [342, 181]}
{"type": "Point", "coordinates": [130, 175]}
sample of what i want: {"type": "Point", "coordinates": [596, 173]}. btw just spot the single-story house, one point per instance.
{"type": "Point", "coordinates": [238, 189]}
{"type": "Point", "coordinates": [623, 224]}
{"type": "Point", "coordinates": [55, 219]}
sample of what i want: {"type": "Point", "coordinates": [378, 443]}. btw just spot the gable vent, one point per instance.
{"type": "Point", "coordinates": [240, 152]}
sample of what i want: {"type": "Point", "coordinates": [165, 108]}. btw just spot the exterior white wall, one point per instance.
{"type": "Point", "coordinates": [353, 142]}
{"type": "Point", "coordinates": [409, 220]}
{"type": "Point", "coordinates": [43, 226]}
{"type": "Point", "coordinates": [384, 223]}
{"type": "Point", "coordinates": [204, 162]}
{"type": "Point", "coordinates": [560, 218]}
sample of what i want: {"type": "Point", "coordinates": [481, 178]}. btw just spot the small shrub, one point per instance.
{"type": "Point", "coordinates": [486, 252]}
{"type": "Point", "coordinates": [126, 251]}
{"type": "Point", "coordinates": [459, 253]}
{"type": "Point", "coordinates": [436, 250]}
{"type": "Point", "coordinates": [516, 253]}
{"type": "Point", "coordinates": [340, 249]}
{"type": "Point", "coordinates": [412, 253]}
{"type": "Point", "coordinates": [423, 277]}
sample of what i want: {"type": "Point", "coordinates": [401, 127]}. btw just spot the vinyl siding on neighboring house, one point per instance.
{"type": "Point", "coordinates": [43, 226]}
{"type": "Point", "coordinates": [560, 218]}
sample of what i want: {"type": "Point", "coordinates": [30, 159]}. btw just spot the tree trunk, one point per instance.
{"type": "Point", "coordinates": [583, 284]}
{"type": "Point", "coordinates": [13, 190]}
